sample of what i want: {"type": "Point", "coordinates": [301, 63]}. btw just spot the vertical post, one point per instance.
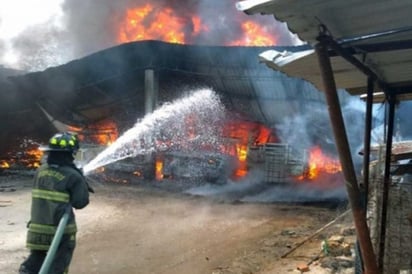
{"type": "Point", "coordinates": [345, 156]}
{"type": "Point", "coordinates": [151, 87]}
{"type": "Point", "coordinates": [386, 181]}
{"type": "Point", "coordinates": [367, 138]}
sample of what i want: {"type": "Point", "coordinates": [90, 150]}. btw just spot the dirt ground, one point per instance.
{"type": "Point", "coordinates": [136, 228]}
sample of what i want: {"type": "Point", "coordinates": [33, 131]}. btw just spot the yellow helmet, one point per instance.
{"type": "Point", "coordinates": [65, 141]}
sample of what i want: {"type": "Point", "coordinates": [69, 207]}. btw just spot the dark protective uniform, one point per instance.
{"type": "Point", "coordinates": [58, 184]}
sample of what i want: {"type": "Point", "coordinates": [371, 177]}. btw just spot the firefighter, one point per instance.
{"type": "Point", "coordinates": [57, 185]}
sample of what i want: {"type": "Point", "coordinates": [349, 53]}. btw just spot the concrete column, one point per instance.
{"type": "Point", "coordinates": [151, 90]}
{"type": "Point", "coordinates": [151, 93]}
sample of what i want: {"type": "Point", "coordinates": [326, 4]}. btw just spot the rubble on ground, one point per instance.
{"type": "Point", "coordinates": [336, 255]}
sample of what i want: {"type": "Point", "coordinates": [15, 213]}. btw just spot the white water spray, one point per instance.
{"type": "Point", "coordinates": [198, 113]}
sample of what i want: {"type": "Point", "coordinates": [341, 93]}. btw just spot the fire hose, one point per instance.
{"type": "Point", "coordinates": [51, 253]}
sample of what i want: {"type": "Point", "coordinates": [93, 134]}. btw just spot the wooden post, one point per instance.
{"type": "Point", "coordinates": [342, 144]}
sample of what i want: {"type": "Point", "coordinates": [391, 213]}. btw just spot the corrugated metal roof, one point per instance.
{"type": "Point", "coordinates": [110, 83]}
{"type": "Point", "coordinates": [98, 85]}
{"type": "Point", "coordinates": [354, 25]}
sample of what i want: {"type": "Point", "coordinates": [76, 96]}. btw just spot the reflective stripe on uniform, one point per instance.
{"type": "Point", "coordinates": [40, 237]}
{"type": "Point", "coordinates": [51, 195]}
{"type": "Point", "coordinates": [50, 229]}
{"type": "Point", "coordinates": [37, 246]}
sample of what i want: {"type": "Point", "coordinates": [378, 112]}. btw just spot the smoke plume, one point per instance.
{"type": "Point", "coordinates": [89, 26]}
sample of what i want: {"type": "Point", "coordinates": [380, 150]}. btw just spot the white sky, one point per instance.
{"type": "Point", "coordinates": [17, 15]}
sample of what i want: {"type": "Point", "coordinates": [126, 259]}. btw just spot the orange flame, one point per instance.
{"type": "Point", "coordinates": [159, 169]}
{"type": "Point", "coordinates": [264, 135]}
{"type": "Point", "coordinates": [319, 163]}
{"type": "Point", "coordinates": [241, 151]}
{"type": "Point", "coordinates": [35, 156]}
{"type": "Point", "coordinates": [146, 23]}
{"type": "Point", "coordinates": [103, 133]}
{"type": "Point", "coordinates": [254, 35]}
{"type": "Point", "coordinates": [165, 24]}
{"type": "Point", "coordinates": [4, 164]}
{"type": "Point", "coordinates": [245, 133]}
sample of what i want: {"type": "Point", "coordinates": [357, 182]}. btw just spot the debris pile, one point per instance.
{"type": "Point", "coordinates": [336, 255]}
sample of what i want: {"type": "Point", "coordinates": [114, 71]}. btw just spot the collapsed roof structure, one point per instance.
{"type": "Point", "coordinates": [112, 84]}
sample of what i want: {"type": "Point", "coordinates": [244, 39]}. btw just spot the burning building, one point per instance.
{"type": "Point", "coordinates": [104, 93]}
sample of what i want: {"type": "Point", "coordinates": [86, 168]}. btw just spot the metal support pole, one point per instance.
{"type": "Point", "coordinates": [345, 156]}
{"type": "Point", "coordinates": [386, 181]}
{"type": "Point", "coordinates": [367, 138]}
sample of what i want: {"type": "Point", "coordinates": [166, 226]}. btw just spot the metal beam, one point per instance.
{"type": "Point", "coordinates": [386, 181]}
{"type": "Point", "coordinates": [379, 47]}
{"type": "Point", "coordinates": [367, 139]}
{"type": "Point", "coordinates": [351, 59]}
{"type": "Point", "coordinates": [370, 36]}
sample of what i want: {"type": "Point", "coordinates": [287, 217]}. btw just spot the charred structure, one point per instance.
{"type": "Point", "coordinates": [104, 93]}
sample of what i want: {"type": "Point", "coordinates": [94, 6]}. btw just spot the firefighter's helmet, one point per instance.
{"type": "Point", "coordinates": [65, 141]}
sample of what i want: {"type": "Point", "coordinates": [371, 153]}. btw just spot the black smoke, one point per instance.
{"type": "Point", "coordinates": [93, 25]}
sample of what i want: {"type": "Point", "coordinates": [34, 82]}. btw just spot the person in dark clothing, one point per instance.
{"type": "Point", "coordinates": [57, 184]}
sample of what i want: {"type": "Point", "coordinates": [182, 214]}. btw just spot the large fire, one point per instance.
{"type": "Point", "coordinates": [254, 35]}
{"type": "Point", "coordinates": [103, 132]}
{"type": "Point", "coordinates": [164, 25]}
{"type": "Point", "coordinates": [149, 22]}
{"type": "Point", "coordinates": [239, 136]}
{"type": "Point", "coordinates": [245, 134]}
{"type": "Point", "coordinates": [154, 21]}
{"type": "Point", "coordinates": [320, 164]}
{"type": "Point", "coordinates": [29, 157]}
